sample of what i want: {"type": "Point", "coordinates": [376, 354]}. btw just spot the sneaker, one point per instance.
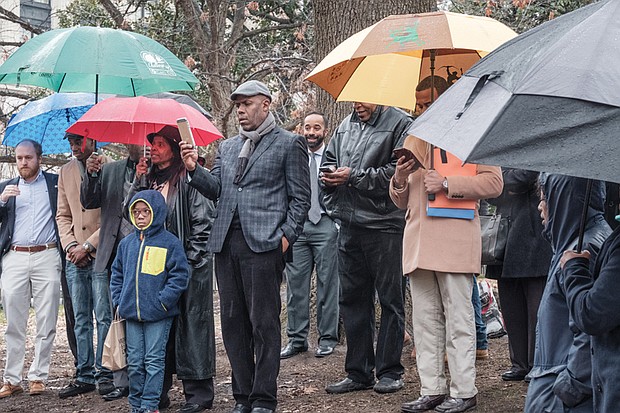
{"type": "Point", "coordinates": [9, 389]}
{"type": "Point", "coordinates": [36, 387]}
{"type": "Point", "coordinates": [74, 388]}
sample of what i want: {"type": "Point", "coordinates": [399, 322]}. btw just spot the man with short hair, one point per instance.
{"type": "Point", "coordinates": [369, 244]}
{"type": "Point", "coordinates": [262, 184]}
{"type": "Point", "coordinates": [101, 188]}
{"type": "Point", "coordinates": [31, 266]}
{"type": "Point", "coordinates": [440, 257]}
{"type": "Point", "coordinates": [315, 248]}
{"type": "Point", "coordinates": [79, 235]}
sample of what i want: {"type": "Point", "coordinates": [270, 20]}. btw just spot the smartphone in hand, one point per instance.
{"type": "Point", "coordinates": [185, 131]}
{"type": "Point", "coordinates": [400, 152]}
{"type": "Point", "coordinates": [327, 169]}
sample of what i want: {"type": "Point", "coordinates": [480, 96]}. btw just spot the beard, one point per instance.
{"type": "Point", "coordinates": [28, 173]}
{"type": "Point", "coordinates": [317, 142]}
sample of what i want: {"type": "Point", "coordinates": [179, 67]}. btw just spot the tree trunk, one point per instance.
{"type": "Point", "coordinates": [334, 21]}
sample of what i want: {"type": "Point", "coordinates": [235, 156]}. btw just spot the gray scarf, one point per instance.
{"type": "Point", "coordinates": [251, 140]}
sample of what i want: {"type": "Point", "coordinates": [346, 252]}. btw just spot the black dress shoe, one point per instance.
{"type": "Point", "coordinates": [290, 351]}
{"type": "Point", "coordinates": [105, 387]}
{"type": "Point", "coordinates": [454, 405]}
{"type": "Point", "coordinates": [241, 408]}
{"type": "Point", "coordinates": [423, 403]}
{"type": "Point", "coordinates": [261, 410]}
{"type": "Point", "coordinates": [514, 375]}
{"type": "Point", "coordinates": [192, 408]}
{"type": "Point", "coordinates": [388, 385]}
{"type": "Point", "coordinates": [74, 388]}
{"type": "Point", "coordinates": [117, 393]}
{"type": "Point", "coordinates": [347, 385]}
{"type": "Point", "coordinates": [323, 351]}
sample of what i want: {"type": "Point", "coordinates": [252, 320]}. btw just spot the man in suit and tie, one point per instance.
{"type": "Point", "coordinates": [101, 189]}
{"type": "Point", "coordinates": [31, 266]}
{"type": "Point", "coordinates": [316, 246]}
{"type": "Point", "coordinates": [262, 184]}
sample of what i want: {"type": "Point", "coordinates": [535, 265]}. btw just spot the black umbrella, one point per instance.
{"type": "Point", "coordinates": [548, 100]}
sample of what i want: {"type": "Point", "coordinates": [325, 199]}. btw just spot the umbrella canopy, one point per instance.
{"type": "Point", "coordinates": [96, 59]}
{"type": "Point", "coordinates": [394, 54]}
{"type": "Point", "coordinates": [549, 100]}
{"type": "Point", "coordinates": [45, 120]}
{"type": "Point", "coordinates": [186, 100]}
{"type": "Point", "coordinates": [129, 120]}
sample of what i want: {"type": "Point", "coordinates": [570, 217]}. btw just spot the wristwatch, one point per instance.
{"type": "Point", "coordinates": [87, 247]}
{"type": "Point", "coordinates": [444, 184]}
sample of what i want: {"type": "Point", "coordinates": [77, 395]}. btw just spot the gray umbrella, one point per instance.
{"type": "Point", "coordinates": [548, 100]}
{"type": "Point", "coordinates": [181, 99]}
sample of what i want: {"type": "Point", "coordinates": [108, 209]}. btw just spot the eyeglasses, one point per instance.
{"type": "Point", "coordinates": [144, 212]}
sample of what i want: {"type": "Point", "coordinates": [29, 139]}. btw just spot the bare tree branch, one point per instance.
{"type": "Point", "coordinates": [14, 18]}
{"type": "Point", "coordinates": [233, 41]}
{"type": "Point", "coordinates": [114, 13]}
{"type": "Point", "coordinates": [16, 44]}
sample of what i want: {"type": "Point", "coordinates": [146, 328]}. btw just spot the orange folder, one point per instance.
{"type": "Point", "coordinates": [449, 165]}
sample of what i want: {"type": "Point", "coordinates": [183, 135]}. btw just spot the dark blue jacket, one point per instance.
{"type": "Point", "coordinates": [594, 305]}
{"type": "Point", "coordinates": [560, 378]}
{"type": "Point", "coordinates": [150, 271]}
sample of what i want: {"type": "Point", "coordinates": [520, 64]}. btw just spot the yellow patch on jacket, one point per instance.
{"type": "Point", "coordinates": [154, 260]}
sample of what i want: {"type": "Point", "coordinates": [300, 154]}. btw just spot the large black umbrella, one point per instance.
{"type": "Point", "coordinates": [547, 100]}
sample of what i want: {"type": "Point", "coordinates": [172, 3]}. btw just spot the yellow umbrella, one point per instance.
{"type": "Point", "coordinates": [384, 63]}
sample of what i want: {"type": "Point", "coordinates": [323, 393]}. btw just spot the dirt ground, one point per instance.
{"type": "Point", "coordinates": [301, 384]}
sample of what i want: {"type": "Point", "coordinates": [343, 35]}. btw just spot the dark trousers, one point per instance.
{"type": "Point", "coordinates": [69, 316]}
{"type": "Point", "coordinates": [249, 287]}
{"type": "Point", "coordinates": [200, 392]}
{"type": "Point", "coordinates": [520, 298]}
{"type": "Point", "coordinates": [370, 261]}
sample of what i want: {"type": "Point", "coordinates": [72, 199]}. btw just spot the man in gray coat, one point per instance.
{"type": "Point", "coordinates": [262, 182]}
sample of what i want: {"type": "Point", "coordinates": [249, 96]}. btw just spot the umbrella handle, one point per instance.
{"type": "Point", "coordinates": [584, 215]}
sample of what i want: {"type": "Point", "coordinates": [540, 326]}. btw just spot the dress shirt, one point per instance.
{"type": "Point", "coordinates": [319, 156]}
{"type": "Point", "coordinates": [34, 223]}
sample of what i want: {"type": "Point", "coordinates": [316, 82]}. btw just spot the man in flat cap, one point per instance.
{"type": "Point", "coordinates": [262, 180]}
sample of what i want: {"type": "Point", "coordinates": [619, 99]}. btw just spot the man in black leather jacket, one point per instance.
{"type": "Point", "coordinates": [369, 244]}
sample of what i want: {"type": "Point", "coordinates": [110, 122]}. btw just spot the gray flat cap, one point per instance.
{"type": "Point", "coordinates": [251, 88]}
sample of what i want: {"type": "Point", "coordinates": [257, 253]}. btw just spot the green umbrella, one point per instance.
{"type": "Point", "coordinates": [96, 59]}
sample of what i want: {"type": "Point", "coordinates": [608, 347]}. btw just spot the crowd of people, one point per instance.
{"type": "Point", "coordinates": [139, 239]}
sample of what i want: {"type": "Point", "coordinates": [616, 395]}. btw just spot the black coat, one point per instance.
{"type": "Point", "coordinates": [593, 303]}
{"type": "Point", "coordinates": [190, 217]}
{"type": "Point", "coordinates": [527, 254]}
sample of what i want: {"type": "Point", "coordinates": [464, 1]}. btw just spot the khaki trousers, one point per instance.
{"type": "Point", "coordinates": [443, 322]}
{"type": "Point", "coordinates": [26, 275]}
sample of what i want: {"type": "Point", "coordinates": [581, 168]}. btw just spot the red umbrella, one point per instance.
{"type": "Point", "coordinates": [129, 120]}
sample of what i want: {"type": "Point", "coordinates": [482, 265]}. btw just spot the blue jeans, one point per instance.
{"type": "Point", "coordinates": [146, 354]}
{"type": "Point", "coordinates": [481, 327]}
{"type": "Point", "coordinates": [90, 292]}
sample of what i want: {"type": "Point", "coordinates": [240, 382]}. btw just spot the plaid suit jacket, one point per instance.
{"type": "Point", "coordinates": [272, 198]}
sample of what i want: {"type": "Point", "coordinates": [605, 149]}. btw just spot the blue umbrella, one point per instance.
{"type": "Point", "coordinates": [45, 120]}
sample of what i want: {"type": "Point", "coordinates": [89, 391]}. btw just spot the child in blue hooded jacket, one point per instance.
{"type": "Point", "coordinates": [149, 275]}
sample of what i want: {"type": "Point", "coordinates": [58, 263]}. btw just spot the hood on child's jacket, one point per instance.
{"type": "Point", "coordinates": [157, 204]}
{"type": "Point", "coordinates": [150, 271]}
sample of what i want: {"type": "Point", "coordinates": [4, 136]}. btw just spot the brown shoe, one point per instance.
{"type": "Point", "coordinates": [8, 390]}
{"type": "Point", "coordinates": [36, 387]}
{"type": "Point", "coordinates": [482, 354]}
